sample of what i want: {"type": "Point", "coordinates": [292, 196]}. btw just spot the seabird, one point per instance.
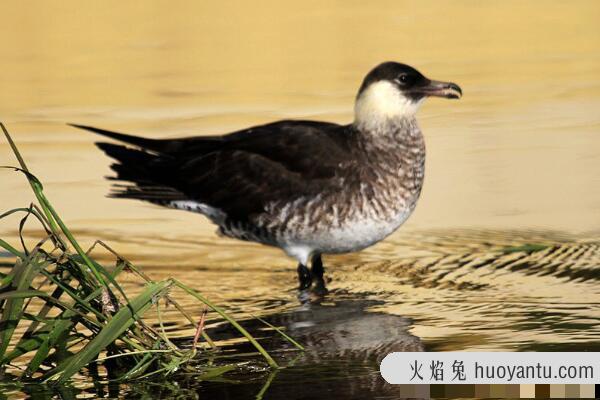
{"type": "Point", "coordinates": [307, 187]}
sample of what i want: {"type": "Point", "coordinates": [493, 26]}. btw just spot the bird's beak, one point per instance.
{"type": "Point", "coordinates": [448, 90]}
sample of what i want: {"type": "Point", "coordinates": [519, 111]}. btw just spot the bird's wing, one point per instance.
{"type": "Point", "coordinates": [242, 183]}
{"type": "Point", "coordinates": [240, 173]}
{"type": "Point", "coordinates": [313, 149]}
{"type": "Point", "coordinates": [309, 147]}
{"type": "Point", "coordinates": [254, 167]}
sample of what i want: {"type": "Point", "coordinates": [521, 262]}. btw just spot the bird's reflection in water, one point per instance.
{"type": "Point", "coordinates": [346, 328]}
{"type": "Point", "coordinates": [344, 342]}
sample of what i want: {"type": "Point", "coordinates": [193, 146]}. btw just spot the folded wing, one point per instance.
{"type": "Point", "coordinates": [239, 174]}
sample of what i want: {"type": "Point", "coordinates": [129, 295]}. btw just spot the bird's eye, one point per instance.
{"type": "Point", "coordinates": [403, 78]}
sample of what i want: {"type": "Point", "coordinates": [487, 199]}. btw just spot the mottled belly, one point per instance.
{"type": "Point", "coordinates": [355, 234]}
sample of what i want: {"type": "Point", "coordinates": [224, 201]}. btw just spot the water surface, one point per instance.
{"type": "Point", "coordinates": [515, 162]}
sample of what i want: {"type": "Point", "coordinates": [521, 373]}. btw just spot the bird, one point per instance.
{"type": "Point", "coordinates": [307, 187]}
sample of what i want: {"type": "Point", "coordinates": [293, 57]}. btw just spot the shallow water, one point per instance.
{"type": "Point", "coordinates": [515, 162]}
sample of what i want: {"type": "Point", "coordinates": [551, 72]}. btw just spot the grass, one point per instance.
{"type": "Point", "coordinates": [64, 313]}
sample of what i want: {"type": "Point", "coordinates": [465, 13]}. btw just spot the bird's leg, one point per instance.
{"type": "Point", "coordinates": [304, 277]}
{"type": "Point", "coordinates": [317, 267]}
{"type": "Point", "coordinates": [317, 272]}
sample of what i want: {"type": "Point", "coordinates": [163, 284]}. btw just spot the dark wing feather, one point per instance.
{"type": "Point", "coordinates": [312, 149]}
{"type": "Point", "coordinates": [238, 173]}
{"type": "Point", "coordinates": [149, 173]}
{"type": "Point", "coordinates": [242, 183]}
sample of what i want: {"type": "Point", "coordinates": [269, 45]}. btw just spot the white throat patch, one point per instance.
{"type": "Point", "coordinates": [382, 102]}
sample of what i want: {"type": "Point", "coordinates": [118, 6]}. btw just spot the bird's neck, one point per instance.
{"type": "Point", "coordinates": [397, 143]}
{"type": "Point", "coordinates": [394, 155]}
{"type": "Point", "coordinates": [390, 132]}
{"type": "Point", "coordinates": [381, 107]}
{"type": "Point", "coordinates": [383, 122]}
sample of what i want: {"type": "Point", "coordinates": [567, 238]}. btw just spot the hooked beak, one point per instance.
{"type": "Point", "coordinates": [448, 90]}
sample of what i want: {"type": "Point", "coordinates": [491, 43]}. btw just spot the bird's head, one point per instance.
{"type": "Point", "coordinates": [393, 90]}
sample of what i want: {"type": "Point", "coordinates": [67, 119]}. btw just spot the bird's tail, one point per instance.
{"type": "Point", "coordinates": [144, 171]}
{"type": "Point", "coordinates": [149, 144]}
{"type": "Point", "coordinates": [177, 146]}
{"type": "Point", "coordinates": [146, 175]}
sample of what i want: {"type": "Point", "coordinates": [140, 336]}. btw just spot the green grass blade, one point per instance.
{"type": "Point", "coordinates": [22, 294]}
{"type": "Point", "coordinates": [52, 216]}
{"type": "Point", "coordinates": [105, 273]}
{"type": "Point", "coordinates": [59, 333]}
{"type": "Point", "coordinates": [120, 322]}
{"type": "Point", "coordinates": [213, 372]}
{"type": "Point", "coordinates": [260, 395]}
{"type": "Point", "coordinates": [24, 347]}
{"type": "Point", "coordinates": [31, 210]}
{"type": "Point", "coordinates": [70, 237]}
{"type": "Point", "coordinates": [60, 325]}
{"type": "Point", "coordinates": [281, 332]}
{"type": "Point", "coordinates": [183, 312]}
{"type": "Point", "coordinates": [35, 185]}
{"type": "Point", "coordinates": [78, 291]}
{"type": "Point", "coordinates": [142, 365]}
{"type": "Point", "coordinates": [233, 322]}
{"type": "Point", "coordinates": [12, 250]}
{"type": "Point", "coordinates": [6, 280]}
{"type": "Point", "coordinates": [23, 272]}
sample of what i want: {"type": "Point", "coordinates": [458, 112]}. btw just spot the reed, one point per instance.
{"type": "Point", "coordinates": [73, 315]}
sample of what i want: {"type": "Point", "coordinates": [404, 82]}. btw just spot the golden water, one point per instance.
{"type": "Point", "coordinates": [516, 161]}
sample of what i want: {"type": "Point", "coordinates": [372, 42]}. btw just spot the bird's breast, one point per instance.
{"type": "Point", "coordinates": [372, 195]}
{"type": "Point", "coordinates": [365, 208]}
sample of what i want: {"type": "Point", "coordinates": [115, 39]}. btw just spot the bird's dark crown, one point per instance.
{"type": "Point", "coordinates": [403, 76]}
